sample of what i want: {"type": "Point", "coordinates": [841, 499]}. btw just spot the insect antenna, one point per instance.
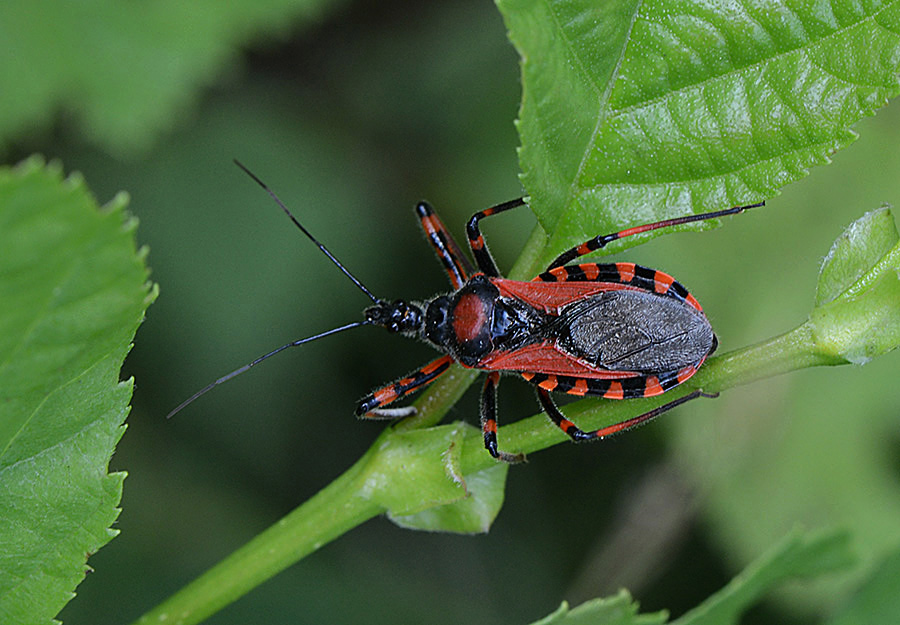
{"type": "Point", "coordinates": [255, 362]}
{"type": "Point", "coordinates": [297, 223]}
{"type": "Point", "coordinates": [308, 339]}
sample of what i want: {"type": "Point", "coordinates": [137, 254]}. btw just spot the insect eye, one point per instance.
{"type": "Point", "coordinates": [437, 330]}
{"type": "Point", "coordinates": [480, 344]}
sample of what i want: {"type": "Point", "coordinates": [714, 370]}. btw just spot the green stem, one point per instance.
{"type": "Point", "coordinates": [333, 511]}
{"type": "Point", "coordinates": [790, 351]}
{"type": "Point", "coordinates": [347, 503]}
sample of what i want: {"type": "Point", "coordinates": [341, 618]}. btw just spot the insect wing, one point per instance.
{"type": "Point", "coordinates": [635, 331]}
{"type": "Point", "coordinates": [548, 358]}
{"type": "Point", "coordinates": [551, 297]}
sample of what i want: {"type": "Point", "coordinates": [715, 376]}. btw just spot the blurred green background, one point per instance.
{"type": "Point", "coordinates": [352, 112]}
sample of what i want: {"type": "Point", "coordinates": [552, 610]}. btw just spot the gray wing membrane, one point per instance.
{"type": "Point", "coordinates": [633, 330]}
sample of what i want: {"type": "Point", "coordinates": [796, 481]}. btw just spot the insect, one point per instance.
{"type": "Point", "coordinates": [616, 330]}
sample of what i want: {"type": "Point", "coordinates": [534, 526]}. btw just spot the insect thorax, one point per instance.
{"type": "Point", "coordinates": [476, 320]}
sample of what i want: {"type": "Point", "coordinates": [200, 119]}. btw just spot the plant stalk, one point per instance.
{"type": "Point", "coordinates": [330, 513]}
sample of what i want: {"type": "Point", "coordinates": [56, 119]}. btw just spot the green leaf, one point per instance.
{"type": "Point", "coordinates": [860, 328]}
{"type": "Point", "coordinates": [617, 610]}
{"type": "Point", "coordinates": [878, 598]}
{"type": "Point", "coordinates": [325, 524]}
{"type": "Point", "coordinates": [856, 252]}
{"type": "Point", "coordinates": [127, 77]}
{"type": "Point", "coordinates": [416, 477]}
{"type": "Point", "coordinates": [74, 291]}
{"type": "Point", "coordinates": [472, 514]}
{"type": "Point", "coordinates": [799, 556]}
{"type": "Point", "coordinates": [635, 111]}
{"type": "Point", "coordinates": [860, 287]}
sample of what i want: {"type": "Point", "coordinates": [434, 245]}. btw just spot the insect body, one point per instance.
{"type": "Point", "coordinates": [616, 330]}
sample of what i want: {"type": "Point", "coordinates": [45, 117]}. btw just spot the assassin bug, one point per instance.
{"type": "Point", "coordinates": [617, 330]}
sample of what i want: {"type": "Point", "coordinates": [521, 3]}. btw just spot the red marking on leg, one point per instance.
{"type": "Point", "coordinates": [434, 366]}
{"type": "Point", "coordinates": [636, 230]}
{"type": "Point", "coordinates": [404, 381]}
{"type": "Point", "coordinates": [477, 244]}
{"type": "Point", "coordinates": [612, 429]}
{"type": "Point", "coordinates": [428, 222]}
{"type": "Point", "coordinates": [386, 395]}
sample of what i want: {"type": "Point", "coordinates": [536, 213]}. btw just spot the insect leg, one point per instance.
{"type": "Point", "coordinates": [576, 434]}
{"type": "Point", "coordinates": [600, 241]}
{"type": "Point", "coordinates": [476, 242]}
{"type": "Point", "coordinates": [488, 411]}
{"type": "Point", "coordinates": [455, 263]}
{"type": "Point", "coordinates": [371, 405]}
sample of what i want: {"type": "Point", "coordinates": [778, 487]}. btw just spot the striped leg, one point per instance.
{"type": "Point", "coordinates": [476, 242]}
{"type": "Point", "coordinates": [455, 263]}
{"type": "Point", "coordinates": [601, 241]}
{"type": "Point", "coordinates": [371, 406]}
{"type": "Point", "coordinates": [489, 420]}
{"type": "Point", "coordinates": [578, 435]}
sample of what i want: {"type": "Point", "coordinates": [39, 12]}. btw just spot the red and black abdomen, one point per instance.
{"type": "Point", "coordinates": [617, 330]}
{"type": "Point", "coordinates": [614, 330]}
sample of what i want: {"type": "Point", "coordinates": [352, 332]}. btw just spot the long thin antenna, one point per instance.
{"type": "Point", "coordinates": [241, 370]}
{"type": "Point", "coordinates": [307, 233]}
